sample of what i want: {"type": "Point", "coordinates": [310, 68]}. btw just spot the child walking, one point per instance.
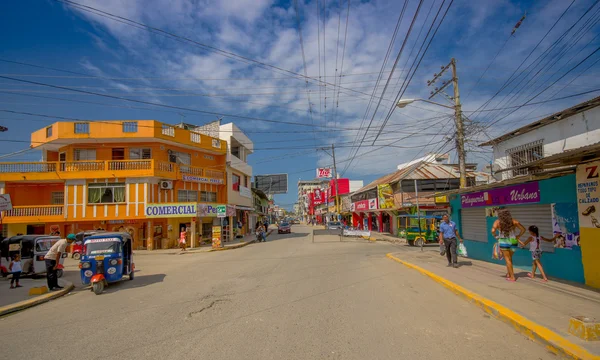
{"type": "Point", "coordinates": [534, 241]}
{"type": "Point", "coordinates": [15, 268]}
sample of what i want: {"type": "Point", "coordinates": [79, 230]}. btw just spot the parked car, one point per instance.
{"type": "Point", "coordinates": [334, 225]}
{"type": "Point", "coordinates": [284, 228]}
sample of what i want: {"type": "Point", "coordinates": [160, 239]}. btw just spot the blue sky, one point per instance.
{"type": "Point", "coordinates": [116, 59]}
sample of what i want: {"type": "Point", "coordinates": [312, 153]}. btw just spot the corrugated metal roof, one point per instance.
{"type": "Point", "coordinates": [424, 170]}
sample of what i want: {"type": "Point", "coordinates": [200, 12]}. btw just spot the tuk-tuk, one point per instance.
{"type": "Point", "coordinates": [77, 247]}
{"type": "Point", "coordinates": [32, 249]}
{"type": "Point", "coordinates": [417, 233]}
{"type": "Point", "coordinates": [106, 258]}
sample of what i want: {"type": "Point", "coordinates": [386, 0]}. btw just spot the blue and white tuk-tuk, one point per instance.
{"type": "Point", "coordinates": [106, 258]}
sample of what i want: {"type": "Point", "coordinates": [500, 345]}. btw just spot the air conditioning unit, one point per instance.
{"type": "Point", "coordinates": [166, 185]}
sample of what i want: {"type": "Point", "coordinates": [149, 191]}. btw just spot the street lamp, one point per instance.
{"type": "Point", "coordinates": [460, 141]}
{"type": "Point", "coordinates": [402, 103]}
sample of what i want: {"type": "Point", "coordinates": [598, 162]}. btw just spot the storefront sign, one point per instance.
{"type": "Point", "coordinates": [372, 204]}
{"type": "Point", "coordinates": [209, 210]}
{"type": "Point", "coordinates": [245, 192]}
{"type": "Point", "coordinates": [588, 194]}
{"type": "Point", "coordinates": [221, 211]}
{"type": "Point", "coordinates": [386, 196]}
{"type": "Point", "coordinates": [216, 237]}
{"type": "Point", "coordinates": [441, 199]}
{"type": "Point", "coordinates": [202, 179]}
{"type": "Point", "coordinates": [361, 205]}
{"type": "Point", "coordinates": [511, 195]}
{"type": "Point", "coordinates": [171, 210]}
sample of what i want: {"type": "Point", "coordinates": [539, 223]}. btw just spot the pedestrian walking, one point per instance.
{"type": "Point", "coordinates": [534, 242]}
{"type": "Point", "coordinates": [15, 269]}
{"type": "Point", "coordinates": [505, 231]}
{"type": "Point", "coordinates": [447, 237]}
{"type": "Point", "coordinates": [52, 259]}
{"type": "Point", "coordinates": [182, 240]}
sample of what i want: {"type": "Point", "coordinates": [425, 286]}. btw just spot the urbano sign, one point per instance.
{"type": "Point", "coordinates": [511, 195]}
{"type": "Point", "coordinates": [202, 179]}
{"type": "Point", "coordinates": [171, 210]}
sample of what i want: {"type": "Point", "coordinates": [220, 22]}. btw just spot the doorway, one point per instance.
{"type": "Point", "coordinates": [62, 159]}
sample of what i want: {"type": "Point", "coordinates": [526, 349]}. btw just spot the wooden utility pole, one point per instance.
{"type": "Point", "coordinates": [460, 132]}
{"type": "Point", "coordinates": [337, 190]}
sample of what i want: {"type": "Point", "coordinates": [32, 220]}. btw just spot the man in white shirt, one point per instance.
{"type": "Point", "coordinates": [53, 259]}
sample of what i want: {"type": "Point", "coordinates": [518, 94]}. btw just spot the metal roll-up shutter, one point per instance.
{"type": "Point", "coordinates": [473, 224]}
{"type": "Point", "coordinates": [538, 215]}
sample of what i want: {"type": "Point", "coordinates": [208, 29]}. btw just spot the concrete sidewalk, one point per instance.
{"type": "Point", "coordinates": [550, 304]}
{"type": "Point", "coordinates": [17, 299]}
{"type": "Point", "coordinates": [233, 244]}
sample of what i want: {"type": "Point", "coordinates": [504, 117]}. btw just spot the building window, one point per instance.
{"type": "Point", "coordinates": [49, 131]}
{"type": "Point", "coordinates": [235, 182]}
{"type": "Point", "coordinates": [84, 154]}
{"type": "Point", "coordinates": [195, 137]}
{"type": "Point", "coordinates": [130, 126]}
{"type": "Point", "coordinates": [58, 198]}
{"type": "Point", "coordinates": [525, 154]}
{"type": "Point", "coordinates": [208, 196]}
{"type": "Point", "coordinates": [235, 151]}
{"type": "Point", "coordinates": [245, 181]}
{"type": "Point", "coordinates": [118, 154]}
{"type": "Point", "coordinates": [140, 153]}
{"type": "Point", "coordinates": [106, 193]}
{"type": "Point", "coordinates": [187, 196]}
{"type": "Point", "coordinates": [82, 128]}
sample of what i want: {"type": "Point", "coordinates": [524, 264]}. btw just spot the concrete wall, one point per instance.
{"type": "Point", "coordinates": [570, 133]}
{"type": "Point", "coordinates": [562, 263]}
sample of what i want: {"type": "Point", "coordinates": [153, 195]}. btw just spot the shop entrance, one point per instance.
{"type": "Point", "coordinates": [386, 223]}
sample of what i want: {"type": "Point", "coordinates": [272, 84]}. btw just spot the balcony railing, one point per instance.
{"type": "Point", "coordinates": [94, 168]}
{"type": "Point", "coordinates": [40, 210]}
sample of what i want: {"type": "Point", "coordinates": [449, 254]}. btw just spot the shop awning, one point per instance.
{"type": "Point", "coordinates": [246, 208]}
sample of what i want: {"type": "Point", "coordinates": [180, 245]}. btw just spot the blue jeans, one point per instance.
{"type": "Point", "coordinates": [15, 277]}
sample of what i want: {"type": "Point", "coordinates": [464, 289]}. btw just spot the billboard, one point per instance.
{"type": "Point", "coordinates": [318, 197]}
{"type": "Point", "coordinates": [342, 184]}
{"type": "Point", "coordinates": [324, 173]}
{"type": "Point", "coordinates": [272, 184]}
{"type": "Point", "coordinates": [385, 194]}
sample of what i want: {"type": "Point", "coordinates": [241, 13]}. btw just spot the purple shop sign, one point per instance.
{"type": "Point", "coordinates": [511, 195]}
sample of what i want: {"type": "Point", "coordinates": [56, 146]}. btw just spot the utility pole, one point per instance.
{"type": "Point", "coordinates": [337, 190]}
{"type": "Point", "coordinates": [460, 132]}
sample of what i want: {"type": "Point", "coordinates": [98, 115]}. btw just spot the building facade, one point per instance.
{"type": "Point", "coordinates": [150, 179]}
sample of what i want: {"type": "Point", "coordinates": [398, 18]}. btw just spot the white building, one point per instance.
{"type": "Point", "coordinates": [569, 129]}
{"type": "Point", "coordinates": [239, 173]}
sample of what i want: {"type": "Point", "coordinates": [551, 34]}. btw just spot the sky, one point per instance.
{"type": "Point", "coordinates": [298, 76]}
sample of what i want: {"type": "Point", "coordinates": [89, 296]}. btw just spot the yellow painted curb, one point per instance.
{"type": "Point", "coordinates": [40, 290]}
{"type": "Point", "coordinates": [553, 341]}
{"type": "Point", "coordinates": [231, 247]}
{"type": "Point", "coordinates": [22, 305]}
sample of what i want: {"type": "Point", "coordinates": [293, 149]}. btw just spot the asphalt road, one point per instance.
{"type": "Point", "coordinates": [288, 298]}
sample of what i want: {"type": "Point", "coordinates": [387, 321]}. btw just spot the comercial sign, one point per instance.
{"type": "Point", "coordinates": [245, 192]}
{"type": "Point", "coordinates": [171, 210]}
{"type": "Point", "coordinates": [5, 203]}
{"type": "Point", "coordinates": [324, 173]}
{"type": "Point", "coordinates": [203, 179]}
{"type": "Point", "coordinates": [511, 195]}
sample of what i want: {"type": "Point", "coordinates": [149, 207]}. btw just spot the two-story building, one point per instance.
{"type": "Point", "coordinates": [141, 176]}
{"type": "Point", "coordinates": [547, 178]}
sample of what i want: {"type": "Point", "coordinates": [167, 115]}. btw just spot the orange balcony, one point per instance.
{"type": "Point", "coordinates": [39, 213]}
{"type": "Point", "coordinates": [94, 169]}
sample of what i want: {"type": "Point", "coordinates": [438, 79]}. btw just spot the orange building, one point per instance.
{"type": "Point", "coordinates": [141, 176]}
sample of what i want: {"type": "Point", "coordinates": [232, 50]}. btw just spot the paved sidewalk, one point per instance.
{"type": "Point", "coordinates": [387, 237]}
{"type": "Point", "coordinates": [17, 299]}
{"type": "Point", "coordinates": [549, 304]}
{"type": "Point", "coordinates": [235, 243]}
